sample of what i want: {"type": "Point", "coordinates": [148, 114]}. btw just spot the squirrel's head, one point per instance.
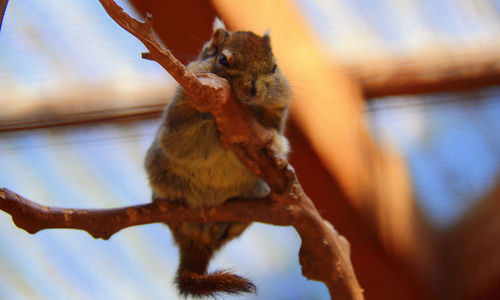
{"type": "Point", "coordinates": [247, 62]}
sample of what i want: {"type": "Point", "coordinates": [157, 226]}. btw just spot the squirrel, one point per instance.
{"type": "Point", "coordinates": [187, 164]}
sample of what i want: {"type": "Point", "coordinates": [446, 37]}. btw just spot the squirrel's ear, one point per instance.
{"type": "Point", "coordinates": [266, 38]}
{"type": "Point", "coordinates": [219, 35]}
{"type": "Point", "coordinates": [220, 32]}
{"type": "Point", "coordinates": [218, 24]}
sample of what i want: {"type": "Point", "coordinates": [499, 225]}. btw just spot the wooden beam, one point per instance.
{"type": "Point", "coordinates": [85, 104]}
{"type": "Point", "coordinates": [39, 121]}
{"type": "Point", "coordinates": [429, 71]}
{"type": "Point", "coordinates": [426, 72]}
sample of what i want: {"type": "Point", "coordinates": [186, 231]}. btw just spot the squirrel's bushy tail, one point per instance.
{"type": "Point", "coordinates": [193, 284]}
{"type": "Point", "coordinates": [197, 244]}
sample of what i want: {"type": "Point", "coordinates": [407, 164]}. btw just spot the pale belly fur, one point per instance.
{"type": "Point", "coordinates": [209, 173]}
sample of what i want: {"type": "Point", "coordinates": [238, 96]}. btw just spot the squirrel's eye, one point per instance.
{"type": "Point", "coordinates": [223, 60]}
{"type": "Point", "coordinates": [274, 68]}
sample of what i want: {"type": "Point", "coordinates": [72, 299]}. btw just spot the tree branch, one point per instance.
{"type": "Point", "coordinates": [103, 223]}
{"type": "Point", "coordinates": [3, 7]}
{"type": "Point", "coordinates": [324, 254]}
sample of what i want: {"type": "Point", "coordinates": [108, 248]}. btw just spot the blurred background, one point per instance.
{"type": "Point", "coordinates": [395, 131]}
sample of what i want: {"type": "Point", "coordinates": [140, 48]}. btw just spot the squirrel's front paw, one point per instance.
{"type": "Point", "coordinates": [261, 189]}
